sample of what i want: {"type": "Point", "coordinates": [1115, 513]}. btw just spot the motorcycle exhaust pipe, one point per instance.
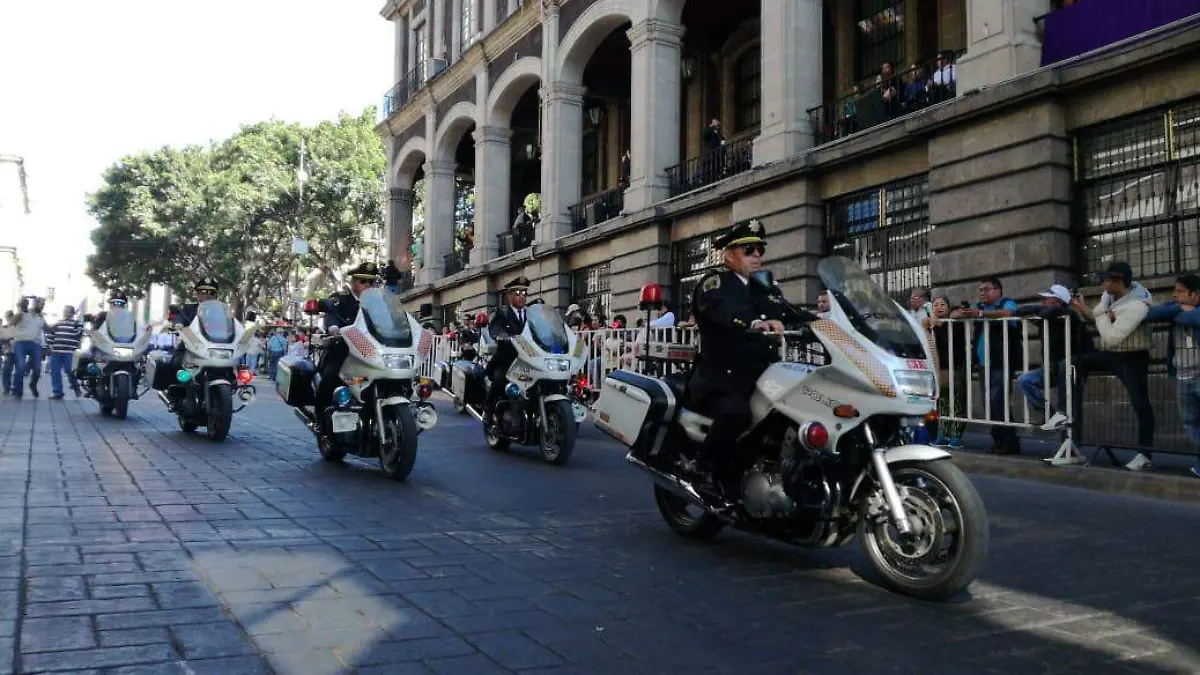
{"type": "Point", "coordinates": [427, 418]}
{"type": "Point", "coordinates": [675, 485]}
{"type": "Point", "coordinates": [308, 423]}
{"type": "Point", "coordinates": [166, 401]}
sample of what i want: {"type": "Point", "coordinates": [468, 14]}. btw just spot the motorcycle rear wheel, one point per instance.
{"type": "Point", "coordinates": [701, 525]}
{"type": "Point", "coordinates": [944, 506]}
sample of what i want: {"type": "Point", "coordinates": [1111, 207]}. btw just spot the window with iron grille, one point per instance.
{"type": "Point", "coordinates": [885, 231]}
{"type": "Point", "coordinates": [879, 25]}
{"type": "Point", "coordinates": [591, 163]}
{"type": "Point", "coordinates": [467, 23]}
{"type": "Point", "coordinates": [449, 313]}
{"type": "Point", "coordinates": [691, 259]}
{"type": "Point", "coordinates": [748, 89]}
{"type": "Point", "coordinates": [1137, 196]}
{"type": "Point", "coordinates": [591, 289]}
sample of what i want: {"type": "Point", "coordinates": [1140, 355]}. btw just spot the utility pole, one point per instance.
{"type": "Point", "coordinates": [20, 162]}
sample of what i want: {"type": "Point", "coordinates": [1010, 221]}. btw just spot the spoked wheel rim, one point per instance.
{"type": "Point", "coordinates": [552, 439]}
{"type": "Point", "coordinates": [938, 523]}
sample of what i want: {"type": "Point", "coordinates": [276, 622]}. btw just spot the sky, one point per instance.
{"type": "Point", "coordinates": [84, 83]}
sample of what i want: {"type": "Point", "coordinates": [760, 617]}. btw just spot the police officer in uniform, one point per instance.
{"type": "Point", "coordinates": [740, 329]}
{"type": "Point", "coordinates": [340, 311]}
{"type": "Point", "coordinates": [205, 290]}
{"type": "Point", "coordinates": [116, 300]}
{"type": "Point", "coordinates": [508, 320]}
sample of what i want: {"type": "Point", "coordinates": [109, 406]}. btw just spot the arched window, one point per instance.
{"type": "Point", "coordinates": [748, 89]}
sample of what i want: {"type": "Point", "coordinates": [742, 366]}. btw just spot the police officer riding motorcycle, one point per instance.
{"type": "Point", "coordinates": [508, 320]}
{"type": "Point", "coordinates": [341, 311]}
{"type": "Point", "coordinates": [110, 367]}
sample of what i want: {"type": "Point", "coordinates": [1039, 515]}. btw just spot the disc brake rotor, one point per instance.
{"type": "Point", "coordinates": [922, 545]}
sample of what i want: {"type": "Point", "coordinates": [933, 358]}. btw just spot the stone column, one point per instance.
{"type": "Point", "coordinates": [401, 50]}
{"type": "Point", "coordinates": [655, 46]}
{"type": "Point", "coordinates": [399, 237]}
{"type": "Point", "coordinates": [439, 48]}
{"type": "Point", "coordinates": [562, 149]}
{"type": "Point", "coordinates": [493, 155]}
{"type": "Point", "coordinates": [439, 219]}
{"type": "Point", "coordinates": [1002, 42]}
{"type": "Point", "coordinates": [791, 78]}
{"type": "Point", "coordinates": [491, 11]}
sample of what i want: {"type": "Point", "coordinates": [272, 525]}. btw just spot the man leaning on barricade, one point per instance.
{"type": "Point", "coordinates": [1057, 325]}
{"type": "Point", "coordinates": [996, 355]}
{"type": "Point", "coordinates": [1124, 350]}
{"type": "Point", "coordinates": [1183, 356]}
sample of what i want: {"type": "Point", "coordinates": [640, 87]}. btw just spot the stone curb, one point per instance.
{"type": "Point", "coordinates": [1183, 489]}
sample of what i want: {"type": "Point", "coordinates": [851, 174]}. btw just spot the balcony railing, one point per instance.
{"type": "Point", "coordinates": [1082, 26]}
{"type": "Point", "coordinates": [406, 282]}
{"type": "Point", "coordinates": [878, 102]}
{"type": "Point", "coordinates": [519, 238]}
{"type": "Point", "coordinates": [457, 261]}
{"type": "Point", "coordinates": [410, 84]}
{"type": "Point", "coordinates": [711, 167]}
{"type": "Point", "coordinates": [596, 210]}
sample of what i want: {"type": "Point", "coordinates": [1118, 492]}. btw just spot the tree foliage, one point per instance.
{"type": "Point", "coordinates": [230, 210]}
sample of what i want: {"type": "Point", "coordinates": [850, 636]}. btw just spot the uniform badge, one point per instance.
{"type": "Point", "coordinates": [711, 284]}
{"type": "Point", "coordinates": [756, 227]}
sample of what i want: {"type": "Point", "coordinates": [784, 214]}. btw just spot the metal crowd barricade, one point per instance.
{"type": "Point", "coordinates": [1068, 452]}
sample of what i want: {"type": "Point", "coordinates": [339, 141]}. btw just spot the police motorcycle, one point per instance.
{"type": "Point", "coordinates": [109, 363]}
{"type": "Point", "coordinates": [829, 453]}
{"type": "Point", "coordinates": [535, 408]}
{"type": "Point", "coordinates": [381, 406]}
{"type": "Point", "coordinates": [209, 387]}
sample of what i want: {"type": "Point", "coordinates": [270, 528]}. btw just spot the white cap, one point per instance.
{"type": "Point", "coordinates": [573, 308]}
{"type": "Point", "coordinates": [1058, 291]}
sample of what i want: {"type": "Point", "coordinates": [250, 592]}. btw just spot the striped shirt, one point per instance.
{"type": "Point", "coordinates": [66, 336]}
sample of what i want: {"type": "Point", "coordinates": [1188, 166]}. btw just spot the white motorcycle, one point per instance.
{"type": "Point", "coordinates": [829, 452]}
{"type": "Point", "coordinates": [535, 408]}
{"type": "Point", "coordinates": [109, 365]}
{"type": "Point", "coordinates": [380, 405]}
{"type": "Point", "coordinates": [202, 392]}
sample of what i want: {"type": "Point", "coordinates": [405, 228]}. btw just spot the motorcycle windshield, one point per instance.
{"type": "Point", "coordinates": [121, 326]}
{"type": "Point", "coordinates": [548, 328]}
{"type": "Point", "coordinates": [870, 310]}
{"type": "Point", "coordinates": [386, 319]}
{"type": "Point", "coordinates": [216, 321]}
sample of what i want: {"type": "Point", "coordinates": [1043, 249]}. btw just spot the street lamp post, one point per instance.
{"type": "Point", "coordinates": [299, 245]}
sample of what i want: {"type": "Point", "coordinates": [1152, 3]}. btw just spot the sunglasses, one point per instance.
{"type": "Point", "coordinates": [754, 249]}
{"type": "Point", "coordinates": [520, 293]}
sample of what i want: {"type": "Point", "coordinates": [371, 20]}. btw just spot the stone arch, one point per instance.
{"type": "Point", "coordinates": [454, 123]}
{"type": "Point", "coordinates": [510, 87]}
{"type": "Point", "coordinates": [588, 31]}
{"type": "Point", "coordinates": [407, 161]}
{"type": "Point", "coordinates": [670, 11]}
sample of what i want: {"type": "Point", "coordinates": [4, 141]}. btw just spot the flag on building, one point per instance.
{"type": "Point", "coordinates": [426, 342]}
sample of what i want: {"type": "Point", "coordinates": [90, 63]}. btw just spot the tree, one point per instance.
{"type": "Point", "coordinates": [230, 210]}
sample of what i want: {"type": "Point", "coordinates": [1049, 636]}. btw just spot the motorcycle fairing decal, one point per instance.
{"type": "Point", "coordinates": [360, 342]}
{"type": "Point", "coordinates": [877, 373]}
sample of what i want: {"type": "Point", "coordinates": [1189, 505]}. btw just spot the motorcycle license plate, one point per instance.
{"type": "Point", "coordinates": [343, 422]}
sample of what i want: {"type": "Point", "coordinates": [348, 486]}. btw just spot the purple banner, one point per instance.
{"type": "Point", "coordinates": [1091, 24]}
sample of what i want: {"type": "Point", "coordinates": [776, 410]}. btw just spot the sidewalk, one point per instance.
{"type": "Point", "coordinates": [1168, 480]}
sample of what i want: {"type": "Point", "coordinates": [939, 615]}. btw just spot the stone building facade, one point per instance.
{"type": "Point", "coordinates": [1037, 173]}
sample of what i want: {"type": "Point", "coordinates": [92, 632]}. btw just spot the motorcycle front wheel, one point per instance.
{"type": "Point", "coordinates": [120, 401]}
{"type": "Point", "coordinates": [220, 412]}
{"type": "Point", "coordinates": [949, 542]}
{"type": "Point", "coordinates": [558, 441]}
{"type": "Point", "coordinates": [398, 457]}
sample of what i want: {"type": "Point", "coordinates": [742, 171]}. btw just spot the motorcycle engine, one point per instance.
{"type": "Point", "coordinates": [763, 495]}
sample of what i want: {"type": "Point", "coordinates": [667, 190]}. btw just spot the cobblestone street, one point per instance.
{"type": "Point", "coordinates": [130, 547]}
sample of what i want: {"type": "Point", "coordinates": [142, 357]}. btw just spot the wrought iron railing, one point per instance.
{"type": "Point", "coordinates": [713, 166]}
{"type": "Point", "coordinates": [596, 210]}
{"type": "Point", "coordinates": [877, 101]}
{"type": "Point", "coordinates": [410, 84]}
{"type": "Point", "coordinates": [519, 238]}
{"type": "Point", "coordinates": [457, 261]}
{"type": "Point", "coordinates": [407, 281]}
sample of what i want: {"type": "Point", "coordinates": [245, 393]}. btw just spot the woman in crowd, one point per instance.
{"type": "Point", "coordinates": [944, 334]}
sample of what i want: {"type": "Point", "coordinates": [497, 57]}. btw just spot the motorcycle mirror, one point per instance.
{"type": "Point", "coordinates": [765, 279]}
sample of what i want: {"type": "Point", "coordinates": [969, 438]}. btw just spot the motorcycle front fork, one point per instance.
{"type": "Point", "coordinates": [884, 475]}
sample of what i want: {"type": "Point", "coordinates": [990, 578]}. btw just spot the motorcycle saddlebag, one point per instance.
{"type": "Point", "coordinates": [294, 381]}
{"type": "Point", "coordinates": [161, 374]}
{"type": "Point", "coordinates": [468, 384]}
{"type": "Point", "coordinates": [636, 410]}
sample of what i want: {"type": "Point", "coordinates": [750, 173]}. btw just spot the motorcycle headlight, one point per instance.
{"type": "Point", "coordinates": [558, 365]}
{"type": "Point", "coordinates": [220, 353]}
{"type": "Point", "coordinates": [916, 383]}
{"type": "Point", "coordinates": [122, 351]}
{"type": "Point", "coordinates": [397, 362]}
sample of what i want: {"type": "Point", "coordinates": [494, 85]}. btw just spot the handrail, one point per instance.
{"type": "Point", "coordinates": [598, 209]}
{"type": "Point", "coordinates": [413, 81]}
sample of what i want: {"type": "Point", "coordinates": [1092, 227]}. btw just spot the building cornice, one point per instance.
{"type": "Point", "coordinates": [518, 25]}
